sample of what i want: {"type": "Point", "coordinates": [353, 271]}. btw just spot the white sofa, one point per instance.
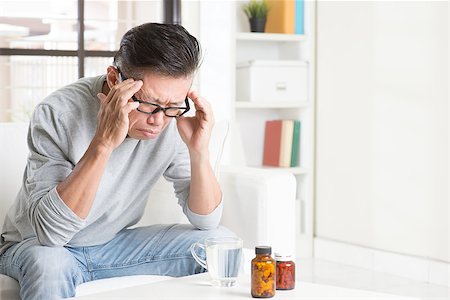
{"type": "Point", "coordinates": [259, 204]}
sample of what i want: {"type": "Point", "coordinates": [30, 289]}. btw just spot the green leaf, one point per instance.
{"type": "Point", "coordinates": [256, 9]}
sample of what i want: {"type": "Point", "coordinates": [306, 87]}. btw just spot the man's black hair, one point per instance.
{"type": "Point", "coordinates": [164, 49]}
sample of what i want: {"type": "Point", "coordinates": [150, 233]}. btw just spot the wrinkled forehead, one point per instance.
{"type": "Point", "coordinates": [164, 90]}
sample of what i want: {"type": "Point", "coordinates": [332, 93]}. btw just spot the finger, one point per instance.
{"type": "Point", "coordinates": [203, 109]}
{"type": "Point", "coordinates": [124, 93]}
{"type": "Point", "coordinates": [126, 80]}
{"type": "Point", "coordinates": [131, 90]}
{"type": "Point", "coordinates": [130, 106]}
{"type": "Point", "coordinates": [182, 120]}
{"type": "Point", "coordinates": [124, 85]}
{"type": "Point", "coordinates": [199, 102]}
{"type": "Point", "coordinates": [116, 88]}
{"type": "Point", "coordinates": [102, 97]}
{"type": "Point", "coordinates": [195, 97]}
{"type": "Point", "coordinates": [192, 94]}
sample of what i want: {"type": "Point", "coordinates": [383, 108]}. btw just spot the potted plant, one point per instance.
{"type": "Point", "coordinates": [256, 11]}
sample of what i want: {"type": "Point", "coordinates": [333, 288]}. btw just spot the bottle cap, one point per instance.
{"type": "Point", "coordinates": [282, 256]}
{"type": "Point", "coordinates": [263, 250]}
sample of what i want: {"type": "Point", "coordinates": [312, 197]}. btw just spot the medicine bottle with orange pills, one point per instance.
{"type": "Point", "coordinates": [263, 273]}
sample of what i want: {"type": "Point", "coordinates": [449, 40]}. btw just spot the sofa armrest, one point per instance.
{"type": "Point", "coordinates": [259, 206]}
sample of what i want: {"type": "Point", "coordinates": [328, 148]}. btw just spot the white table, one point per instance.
{"type": "Point", "coordinates": [199, 287]}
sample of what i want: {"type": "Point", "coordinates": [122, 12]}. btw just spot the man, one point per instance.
{"type": "Point", "coordinates": [97, 146]}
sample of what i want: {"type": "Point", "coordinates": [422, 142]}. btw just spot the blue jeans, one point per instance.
{"type": "Point", "coordinates": [54, 272]}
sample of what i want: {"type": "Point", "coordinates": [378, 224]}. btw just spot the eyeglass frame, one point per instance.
{"type": "Point", "coordinates": [158, 107]}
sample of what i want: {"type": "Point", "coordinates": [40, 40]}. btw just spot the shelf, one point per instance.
{"type": "Point", "coordinates": [293, 170]}
{"type": "Point", "coordinates": [270, 37]}
{"type": "Point", "coordinates": [271, 104]}
{"type": "Point", "coordinates": [296, 170]}
{"type": "Point", "coordinates": [252, 113]}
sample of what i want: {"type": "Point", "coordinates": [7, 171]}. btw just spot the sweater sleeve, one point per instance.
{"type": "Point", "coordinates": [48, 164]}
{"type": "Point", "coordinates": [205, 222]}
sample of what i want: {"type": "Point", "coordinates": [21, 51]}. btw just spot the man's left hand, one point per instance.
{"type": "Point", "coordinates": [196, 131]}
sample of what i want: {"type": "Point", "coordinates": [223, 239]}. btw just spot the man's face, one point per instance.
{"type": "Point", "coordinates": [161, 90]}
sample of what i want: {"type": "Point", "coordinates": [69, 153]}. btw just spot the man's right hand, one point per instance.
{"type": "Point", "coordinates": [112, 120]}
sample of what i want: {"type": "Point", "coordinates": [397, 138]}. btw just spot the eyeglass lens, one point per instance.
{"type": "Point", "coordinates": [150, 108]}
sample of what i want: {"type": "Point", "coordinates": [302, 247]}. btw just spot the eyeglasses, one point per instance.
{"type": "Point", "coordinates": [150, 108]}
{"type": "Point", "coordinates": [153, 108]}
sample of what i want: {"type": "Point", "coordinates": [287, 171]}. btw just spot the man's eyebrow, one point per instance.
{"type": "Point", "coordinates": [152, 99]}
{"type": "Point", "coordinates": [176, 104]}
{"type": "Point", "coordinates": [169, 103]}
{"type": "Point", "coordinates": [148, 98]}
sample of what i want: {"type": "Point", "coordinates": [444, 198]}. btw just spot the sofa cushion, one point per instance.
{"type": "Point", "coordinates": [9, 288]}
{"type": "Point", "coordinates": [13, 155]}
{"type": "Point", "coordinates": [102, 285]}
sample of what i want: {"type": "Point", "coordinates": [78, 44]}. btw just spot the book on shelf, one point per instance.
{"type": "Point", "coordinates": [286, 16]}
{"type": "Point", "coordinates": [299, 17]}
{"type": "Point", "coordinates": [272, 143]}
{"type": "Point", "coordinates": [287, 131]}
{"type": "Point", "coordinates": [281, 143]}
{"type": "Point", "coordinates": [281, 16]}
{"type": "Point", "coordinates": [295, 144]}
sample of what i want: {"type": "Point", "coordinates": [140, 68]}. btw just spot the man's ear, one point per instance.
{"type": "Point", "coordinates": [112, 76]}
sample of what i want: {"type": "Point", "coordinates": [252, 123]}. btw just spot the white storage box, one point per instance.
{"type": "Point", "coordinates": [267, 80]}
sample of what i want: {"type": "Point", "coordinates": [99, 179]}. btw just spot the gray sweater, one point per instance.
{"type": "Point", "coordinates": [61, 129]}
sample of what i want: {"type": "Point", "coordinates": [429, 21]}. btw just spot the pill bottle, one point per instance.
{"type": "Point", "coordinates": [263, 273]}
{"type": "Point", "coordinates": [285, 271]}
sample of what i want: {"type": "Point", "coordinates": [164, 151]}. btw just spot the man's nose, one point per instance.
{"type": "Point", "coordinates": [156, 118]}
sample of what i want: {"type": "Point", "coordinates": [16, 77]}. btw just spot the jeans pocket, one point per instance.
{"type": "Point", "coordinates": [3, 262]}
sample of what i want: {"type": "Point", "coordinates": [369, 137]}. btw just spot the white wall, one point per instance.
{"type": "Point", "coordinates": [216, 33]}
{"type": "Point", "coordinates": [382, 125]}
{"type": "Point", "coordinates": [216, 37]}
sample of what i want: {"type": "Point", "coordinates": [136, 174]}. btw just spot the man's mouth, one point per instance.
{"type": "Point", "coordinates": [149, 132]}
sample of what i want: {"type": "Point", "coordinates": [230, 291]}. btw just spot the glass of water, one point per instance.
{"type": "Point", "coordinates": [223, 259]}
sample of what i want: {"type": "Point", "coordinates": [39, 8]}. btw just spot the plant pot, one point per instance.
{"type": "Point", "coordinates": [257, 24]}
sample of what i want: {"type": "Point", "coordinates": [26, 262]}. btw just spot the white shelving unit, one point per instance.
{"type": "Point", "coordinates": [293, 170]}
{"type": "Point", "coordinates": [251, 116]}
{"type": "Point", "coordinates": [269, 37]}
{"type": "Point", "coordinates": [244, 104]}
